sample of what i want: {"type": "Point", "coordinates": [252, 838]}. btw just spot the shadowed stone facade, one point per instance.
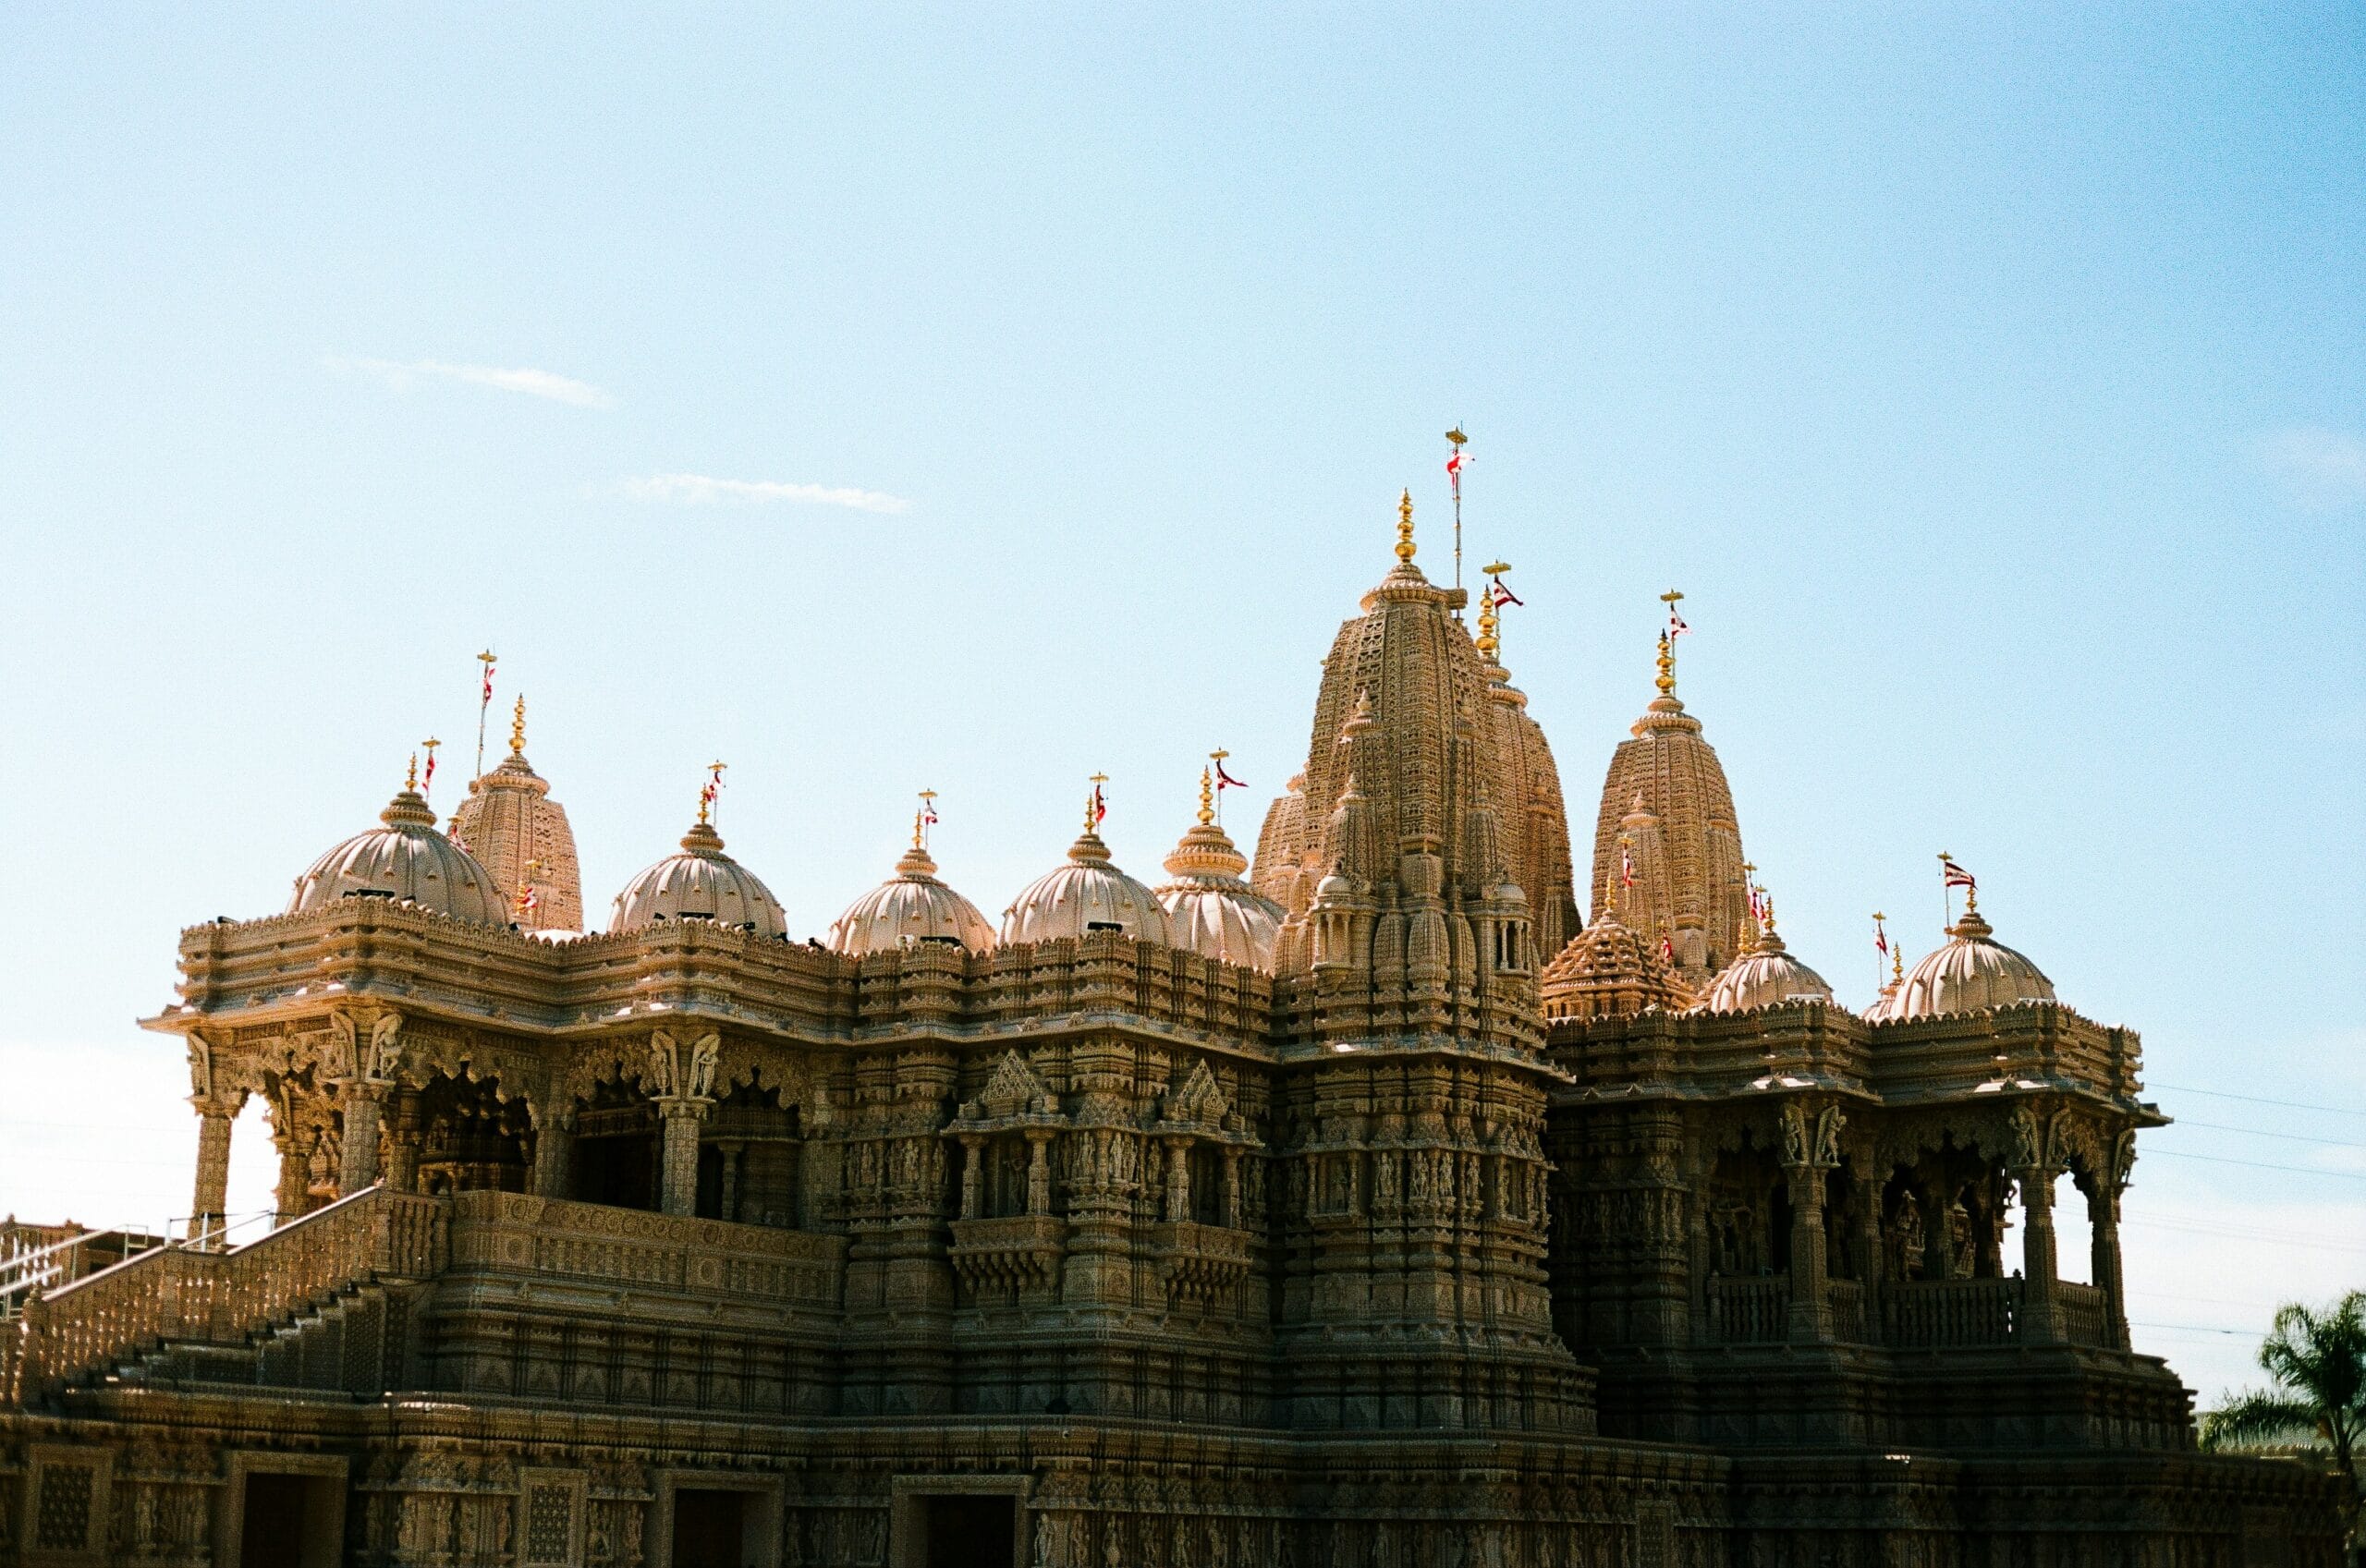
{"type": "Point", "coordinates": [687, 1243]}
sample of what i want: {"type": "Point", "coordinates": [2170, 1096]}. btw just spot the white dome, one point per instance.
{"type": "Point", "coordinates": [912, 906]}
{"type": "Point", "coordinates": [1209, 909]}
{"type": "Point", "coordinates": [701, 883]}
{"type": "Point", "coordinates": [1086, 896]}
{"type": "Point", "coordinates": [407, 860]}
{"type": "Point", "coordinates": [1970, 974]}
{"type": "Point", "coordinates": [1764, 975]}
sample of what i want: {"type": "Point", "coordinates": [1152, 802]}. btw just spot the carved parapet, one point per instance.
{"type": "Point", "coordinates": [1202, 1263]}
{"type": "Point", "coordinates": [1011, 1257]}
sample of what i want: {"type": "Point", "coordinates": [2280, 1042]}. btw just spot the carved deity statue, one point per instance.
{"type": "Point", "coordinates": [1905, 1239]}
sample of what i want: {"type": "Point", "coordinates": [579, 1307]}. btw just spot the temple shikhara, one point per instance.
{"type": "Point", "coordinates": [1366, 1206]}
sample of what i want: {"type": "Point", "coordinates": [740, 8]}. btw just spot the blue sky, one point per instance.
{"type": "Point", "coordinates": [1989, 379]}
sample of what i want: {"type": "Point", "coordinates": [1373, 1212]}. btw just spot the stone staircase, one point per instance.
{"type": "Point", "coordinates": [320, 1303]}
{"type": "Point", "coordinates": [351, 1342]}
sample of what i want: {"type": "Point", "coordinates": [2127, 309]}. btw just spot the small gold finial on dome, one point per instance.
{"type": "Point", "coordinates": [1405, 527]}
{"type": "Point", "coordinates": [411, 779]}
{"type": "Point", "coordinates": [518, 727]}
{"type": "Point", "coordinates": [1766, 901]}
{"type": "Point", "coordinates": [1207, 796]}
{"type": "Point", "coordinates": [922, 815]}
{"type": "Point", "coordinates": [1675, 628]}
{"type": "Point", "coordinates": [1486, 640]}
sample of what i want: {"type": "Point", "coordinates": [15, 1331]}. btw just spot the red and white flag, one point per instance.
{"type": "Point", "coordinates": [527, 900]}
{"type": "Point", "coordinates": [428, 783]}
{"type": "Point", "coordinates": [1454, 467]}
{"type": "Point", "coordinates": [1625, 867]}
{"type": "Point", "coordinates": [928, 813]}
{"type": "Point", "coordinates": [1880, 940]}
{"type": "Point", "coordinates": [1675, 627]}
{"type": "Point", "coordinates": [1668, 949]}
{"type": "Point", "coordinates": [1503, 596]}
{"type": "Point", "coordinates": [1099, 807]}
{"type": "Point", "coordinates": [1226, 780]}
{"type": "Point", "coordinates": [1956, 875]}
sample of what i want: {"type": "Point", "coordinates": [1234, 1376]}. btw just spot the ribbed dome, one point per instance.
{"type": "Point", "coordinates": [1764, 975]}
{"type": "Point", "coordinates": [1607, 970]}
{"type": "Point", "coordinates": [701, 883]}
{"type": "Point", "coordinates": [407, 859]}
{"type": "Point", "coordinates": [910, 906]}
{"type": "Point", "coordinates": [1209, 909]}
{"type": "Point", "coordinates": [1968, 974]}
{"type": "Point", "coordinates": [1085, 896]}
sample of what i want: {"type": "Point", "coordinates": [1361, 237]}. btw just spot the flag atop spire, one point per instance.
{"type": "Point", "coordinates": [711, 791]}
{"type": "Point", "coordinates": [484, 705]}
{"type": "Point", "coordinates": [1095, 807]}
{"type": "Point", "coordinates": [1223, 780]}
{"type": "Point", "coordinates": [924, 818]}
{"type": "Point", "coordinates": [427, 782]}
{"type": "Point", "coordinates": [1457, 460]}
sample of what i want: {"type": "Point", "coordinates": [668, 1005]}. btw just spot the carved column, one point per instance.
{"type": "Point", "coordinates": [1178, 1180]}
{"type": "Point", "coordinates": [2038, 1324]}
{"type": "Point", "coordinates": [214, 1120]}
{"type": "Point", "coordinates": [2102, 1214]}
{"type": "Point", "coordinates": [402, 1140]}
{"type": "Point", "coordinates": [555, 1153]}
{"type": "Point", "coordinates": [1810, 1151]}
{"type": "Point", "coordinates": [364, 1101]}
{"type": "Point", "coordinates": [292, 1198]}
{"type": "Point", "coordinates": [973, 1160]}
{"type": "Point", "coordinates": [1232, 1186]}
{"type": "Point", "coordinates": [682, 1116]}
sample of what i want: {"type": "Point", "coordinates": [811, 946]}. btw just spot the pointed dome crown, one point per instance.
{"type": "Point", "coordinates": [404, 860]}
{"type": "Point", "coordinates": [1082, 897]}
{"type": "Point", "coordinates": [1667, 790]}
{"type": "Point", "coordinates": [1607, 970]}
{"type": "Point", "coordinates": [910, 906]}
{"type": "Point", "coordinates": [1764, 975]}
{"type": "Point", "coordinates": [1402, 774]}
{"type": "Point", "coordinates": [521, 836]}
{"type": "Point", "coordinates": [1972, 972]}
{"type": "Point", "coordinates": [699, 883]}
{"type": "Point", "coordinates": [1209, 909]}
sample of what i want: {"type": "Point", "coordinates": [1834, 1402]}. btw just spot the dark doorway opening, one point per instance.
{"type": "Point", "coordinates": [288, 1521]}
{"type": "Point", "coordinates": [973, 1532]}
{"type": "Point", "coordinates": [711, 1529]}
{"type": "Point", "coordinates": [616, 1150]}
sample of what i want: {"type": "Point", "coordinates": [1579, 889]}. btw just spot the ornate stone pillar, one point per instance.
{"type": "Point", "coordinates": [2102, 1216]}
{"type": "Point", "coordinates": [364, 1101]}
{"type": "Point", "coordinates": [292, 1198]}
{"type": "Point", "coordinates": [973, 1161]}
{"type": "Point", "coordinates": [214, 1121]}
{"type": "Point", "coordinates": [555, 1153]}
{"type": "Point", "coordinates": [2037, 1320]}
{"type": "Point", "coordinates": [681, 1116]}
{"type": "Point", "coordinates": [1810, 1152]}
{"type": "Point", "coordinates": [1232, 1186]}
{"type": "Point", "coordinates": [402, 1140]}
{"type": "Point", "coordinates": [1178, 1180]}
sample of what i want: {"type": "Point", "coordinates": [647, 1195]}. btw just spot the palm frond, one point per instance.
{"type": "Point", "coordinates": [2262, 1421]}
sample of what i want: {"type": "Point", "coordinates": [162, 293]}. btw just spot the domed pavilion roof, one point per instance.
{"type": "Point", "coordinates": [910, 906]}
{"type": "Point", "coordinates": [1608, 971]}
{"type": "Point", "coordinates": [1970, 973]}
{"type": "Point", "coordinates": [1086, 896]}
{"type": "Point", "coordinates": [1764, 975]}
{"type": "Point", "coordinates": [699, 883]}
{"type": "Point", "coordinates": [404, 860]}
{"type": "Point", "coordinates": [1209, 909]}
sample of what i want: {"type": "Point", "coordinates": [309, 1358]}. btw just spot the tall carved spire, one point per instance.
{"type": "Point", "coordinates": [522, 838]}
{"type": "Point", "coordinates": [1666, 789]}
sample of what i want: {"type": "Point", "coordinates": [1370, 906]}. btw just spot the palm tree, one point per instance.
{"type": "Point", "coordinates": [2318, 1362]}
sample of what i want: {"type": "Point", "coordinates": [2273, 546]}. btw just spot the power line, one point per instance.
{"type": "Point", "coordinates": [2259, 1165]}
{"type": "Point", "coordinates": [2197, 1328]}
{"type": "Point", "coordinates": [2255, 1099]}
{"type": "Point", "coordinates": [2263, 1133]}
{"type": "Point", "coordinates": [2241, 1233]}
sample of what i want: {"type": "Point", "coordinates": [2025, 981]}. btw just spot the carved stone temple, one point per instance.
{"type": "Point", "coordinates": [1359, 1209]}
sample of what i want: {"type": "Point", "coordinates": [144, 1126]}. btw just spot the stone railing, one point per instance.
{"type": "Point", "coordinates": [1003, 1259]}
{"type": "Point", "coordinates": [1846, 1299]}
{"type": "Point", "coordinates": [1202, 1263]}
{"type": "Point", "coordinates": [510, 1232]}
{"type": "Point", "coordinates": [1940, 1314]}
{"type": "Point", "coordinates": [2082, 1314]}
{"type": "Point", "coordinates": [1750, 1311]}
{"type": "Point", "coordinates": [190, 1295]}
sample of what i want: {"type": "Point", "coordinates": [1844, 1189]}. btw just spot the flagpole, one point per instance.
{"type": "Point", "coordinates": [1947, 894]}
{"type": "Point", "coordinates": [1459, 440]}
{"type": "Point", "coordinates": [1878, 919]}
{"type": "Point", "coordinates": [484, 705]}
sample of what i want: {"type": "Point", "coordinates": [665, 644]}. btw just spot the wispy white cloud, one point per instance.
{"type": "Point", "coordinates": [2320, 470]}
{"type": "Point", "coordinates": [402, 374]}
{"type": "Point", "coordinates": [699, 490]}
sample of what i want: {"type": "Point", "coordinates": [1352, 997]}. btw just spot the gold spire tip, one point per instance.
{"type": "Point", "coordinates": [1404, 526]}
{"type": "Point", "coordinates": [1666, 680]}
{"type": "Point", "coordinates": [518, 727]}
{"type": "Point", "coordinates": [1207, 796]}
{"type": "Point", "coordinates": [411, 779]}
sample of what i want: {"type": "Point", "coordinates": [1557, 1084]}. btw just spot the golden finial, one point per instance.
{"type": "Point", "coordinates": [1207, 796]}
{"type": "Point", "coordinates": [1666, 681]}
{"type": "Point", "coordinates": [922, 815]}
{"type": "Point", "coordinates": [1766, 902]}
{"type": "Point", "coordinates": [1486, 639]}
{"type": "Point", "coordinates": [1405, 527]}
{"type": "Point", "coordinates": [518, 727]}
{"type": "Point", "coordinates": [1896, 965]}
{"type": "Point", "coordinates": [411, 780]}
